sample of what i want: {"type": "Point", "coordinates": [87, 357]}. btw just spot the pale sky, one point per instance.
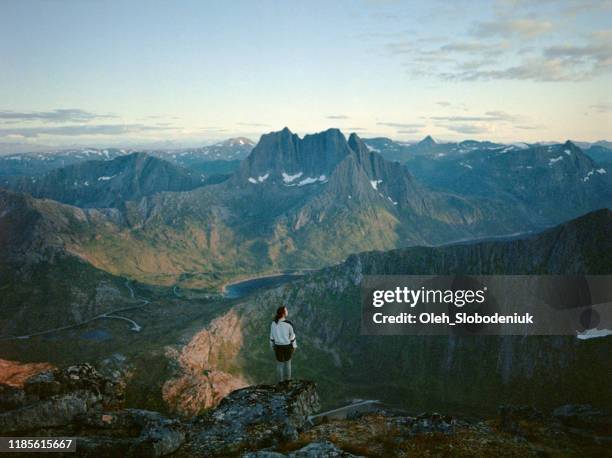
{"type": "Point", "coordinates": [175, 73]}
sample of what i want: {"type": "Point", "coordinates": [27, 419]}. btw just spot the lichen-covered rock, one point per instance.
{"type": "Point", "coordinates": [319, 449]}
{"type": "Point", "coordinates": [137, 433]}
{"type": "Point", "coordinates": [81, 377]}
{"type": "Point", "coordinates": [80, 402]}
{"type": "Point", "coordinates": [314, 450]}
{"type": "Point", "coordinates": [72, 402]}
{"type": "Point", "coordinates": [251, 418]}
{"type": "Point", "coordinates": [55, 398]}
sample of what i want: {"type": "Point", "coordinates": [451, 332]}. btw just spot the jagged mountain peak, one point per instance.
{"type": "Point", "coordinates": [284, 153]}
{"type": "Point", "coordinates": [570, 144]}
{"type": "Point", "coordinates": [427, 141]}
{"type": "Point", "coordinates": [349, 166]}
{"type": "Point", "coordinates": [356, 143]}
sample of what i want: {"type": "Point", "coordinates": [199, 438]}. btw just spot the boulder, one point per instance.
{"type": "Point", "coordinates": [510, 417]}
{"type": "Point", "coordinates": [312, 450]}
{"type": "Point", "coordinates": [578, 411]}
{"type": "Point", "coordinates": [74, 402]}
{"type": "Point", "coordinates": [135, 433]}
{"type": "Point", "coordinates": [55, 398]}
{"type": "Point", "coordinates": [253, 417]}
{"type": "Point", "coordinates": [58, 411]}
{"type": "Point", "coordinates": [81, 377]}
{"type": "Point", "coordinates": [582, 415]}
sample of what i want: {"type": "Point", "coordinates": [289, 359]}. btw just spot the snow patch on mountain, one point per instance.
{"type": "Point", "coordinates": [105, 178]}
{"type": "Point", "coordinates": [259, 179]}
{"type": "Point", "coordinates": [513, 147]}
{"type": "Point", "coordinates": [551, 161]}
{"type": "Point", "coordinates": [290, 178]}
{"type": "Point", "coordinates": [375, 184]}
{"type": "Point", "coordinates": [593, 171]}
{"type": "Point", "coordinates": [308, 180]}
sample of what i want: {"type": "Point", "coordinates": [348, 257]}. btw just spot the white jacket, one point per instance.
{"type": "Point", "coordinates": [282, 333]}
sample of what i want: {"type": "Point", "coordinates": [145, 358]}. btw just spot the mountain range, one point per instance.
{"type": "Point", "coordinates": [107, 183]}
{"type": "Point", "coordinates": [222, 157]}
{"type": "Point", "coordinates": [600, 152]}
{"type": "Point", "coordinates": [297, 203]}
{"type": "Point", "coordinates": [293, 203]}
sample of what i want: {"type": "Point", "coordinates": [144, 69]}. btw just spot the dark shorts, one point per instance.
{"type": "Point", "coordinates": [283, 352]}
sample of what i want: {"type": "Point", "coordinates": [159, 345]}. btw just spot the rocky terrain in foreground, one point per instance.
{"type": "Point", "coordinates": [274, 421]}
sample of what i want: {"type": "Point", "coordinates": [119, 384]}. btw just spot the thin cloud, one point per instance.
{"type": "Point", "coordinates": [340, 116]}
{"type": "Point", "coordinates": [522, 28]}
{"type": "Point", "coordinates": [444, 103]}
{"type": "Point", "coordinates": [467, 128]}
{"type": "Point", "coordinates": [54, 116]}
{"type": "Point", "coordinates": [252, 124]}
{"type": "Point", "coordinates": [584, 6]}
{"type": "Point", "coordinates": [80, 130]}
{"type": "Point", "coordinates": [489, 116]}
{"type": "Point", "coordinates": [602, 107]}
{"type": "Point", "coordinates": [535, 69]}
{"type": "Point", "coordinates": [399, 125]}
{"type": "Point", "coordinates": [595, 56]}
{"type": "Point", "coordinates": [530, 48]}
{"type": "Point", "coordinates": [475, 47]}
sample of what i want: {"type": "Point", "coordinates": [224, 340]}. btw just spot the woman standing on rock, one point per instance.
{"type": "Point", "coordinates": [282, 341]}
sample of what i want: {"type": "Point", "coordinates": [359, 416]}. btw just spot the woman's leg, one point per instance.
{"type": "Point", "coordinates": [288, 370]}
{"type": "Point", "coordinates": [279, 371]}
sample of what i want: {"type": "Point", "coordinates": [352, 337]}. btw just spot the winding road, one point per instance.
{"type": "Point", "coordinates": [135, 326]}
{"type": "Point", "coordinates": [107, 315]}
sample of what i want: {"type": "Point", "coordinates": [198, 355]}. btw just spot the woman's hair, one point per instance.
{"type": "Point", "coordinates": [280, 312]}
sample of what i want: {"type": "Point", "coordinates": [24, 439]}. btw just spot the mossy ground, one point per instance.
{"type": "Point", "coordinates": [372, 436]}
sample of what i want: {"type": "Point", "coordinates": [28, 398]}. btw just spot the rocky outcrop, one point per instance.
{"type": "Point", "coordinates": [313, 450]}
{"type": "Point", "coordinates": [15, 373]}
{"type": "Point", "coordinates": [203, 378]}
{"type": "Point", "coordinates": [130, 432]}
{"type": "Point", "coordinates": [192, 393]}
{"type": "Point", "coordinates": [252, 418]}
{"type": "Point", "coordinates": [55, 398]}
{"type": "Point", "coordinates": [80, 402]}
